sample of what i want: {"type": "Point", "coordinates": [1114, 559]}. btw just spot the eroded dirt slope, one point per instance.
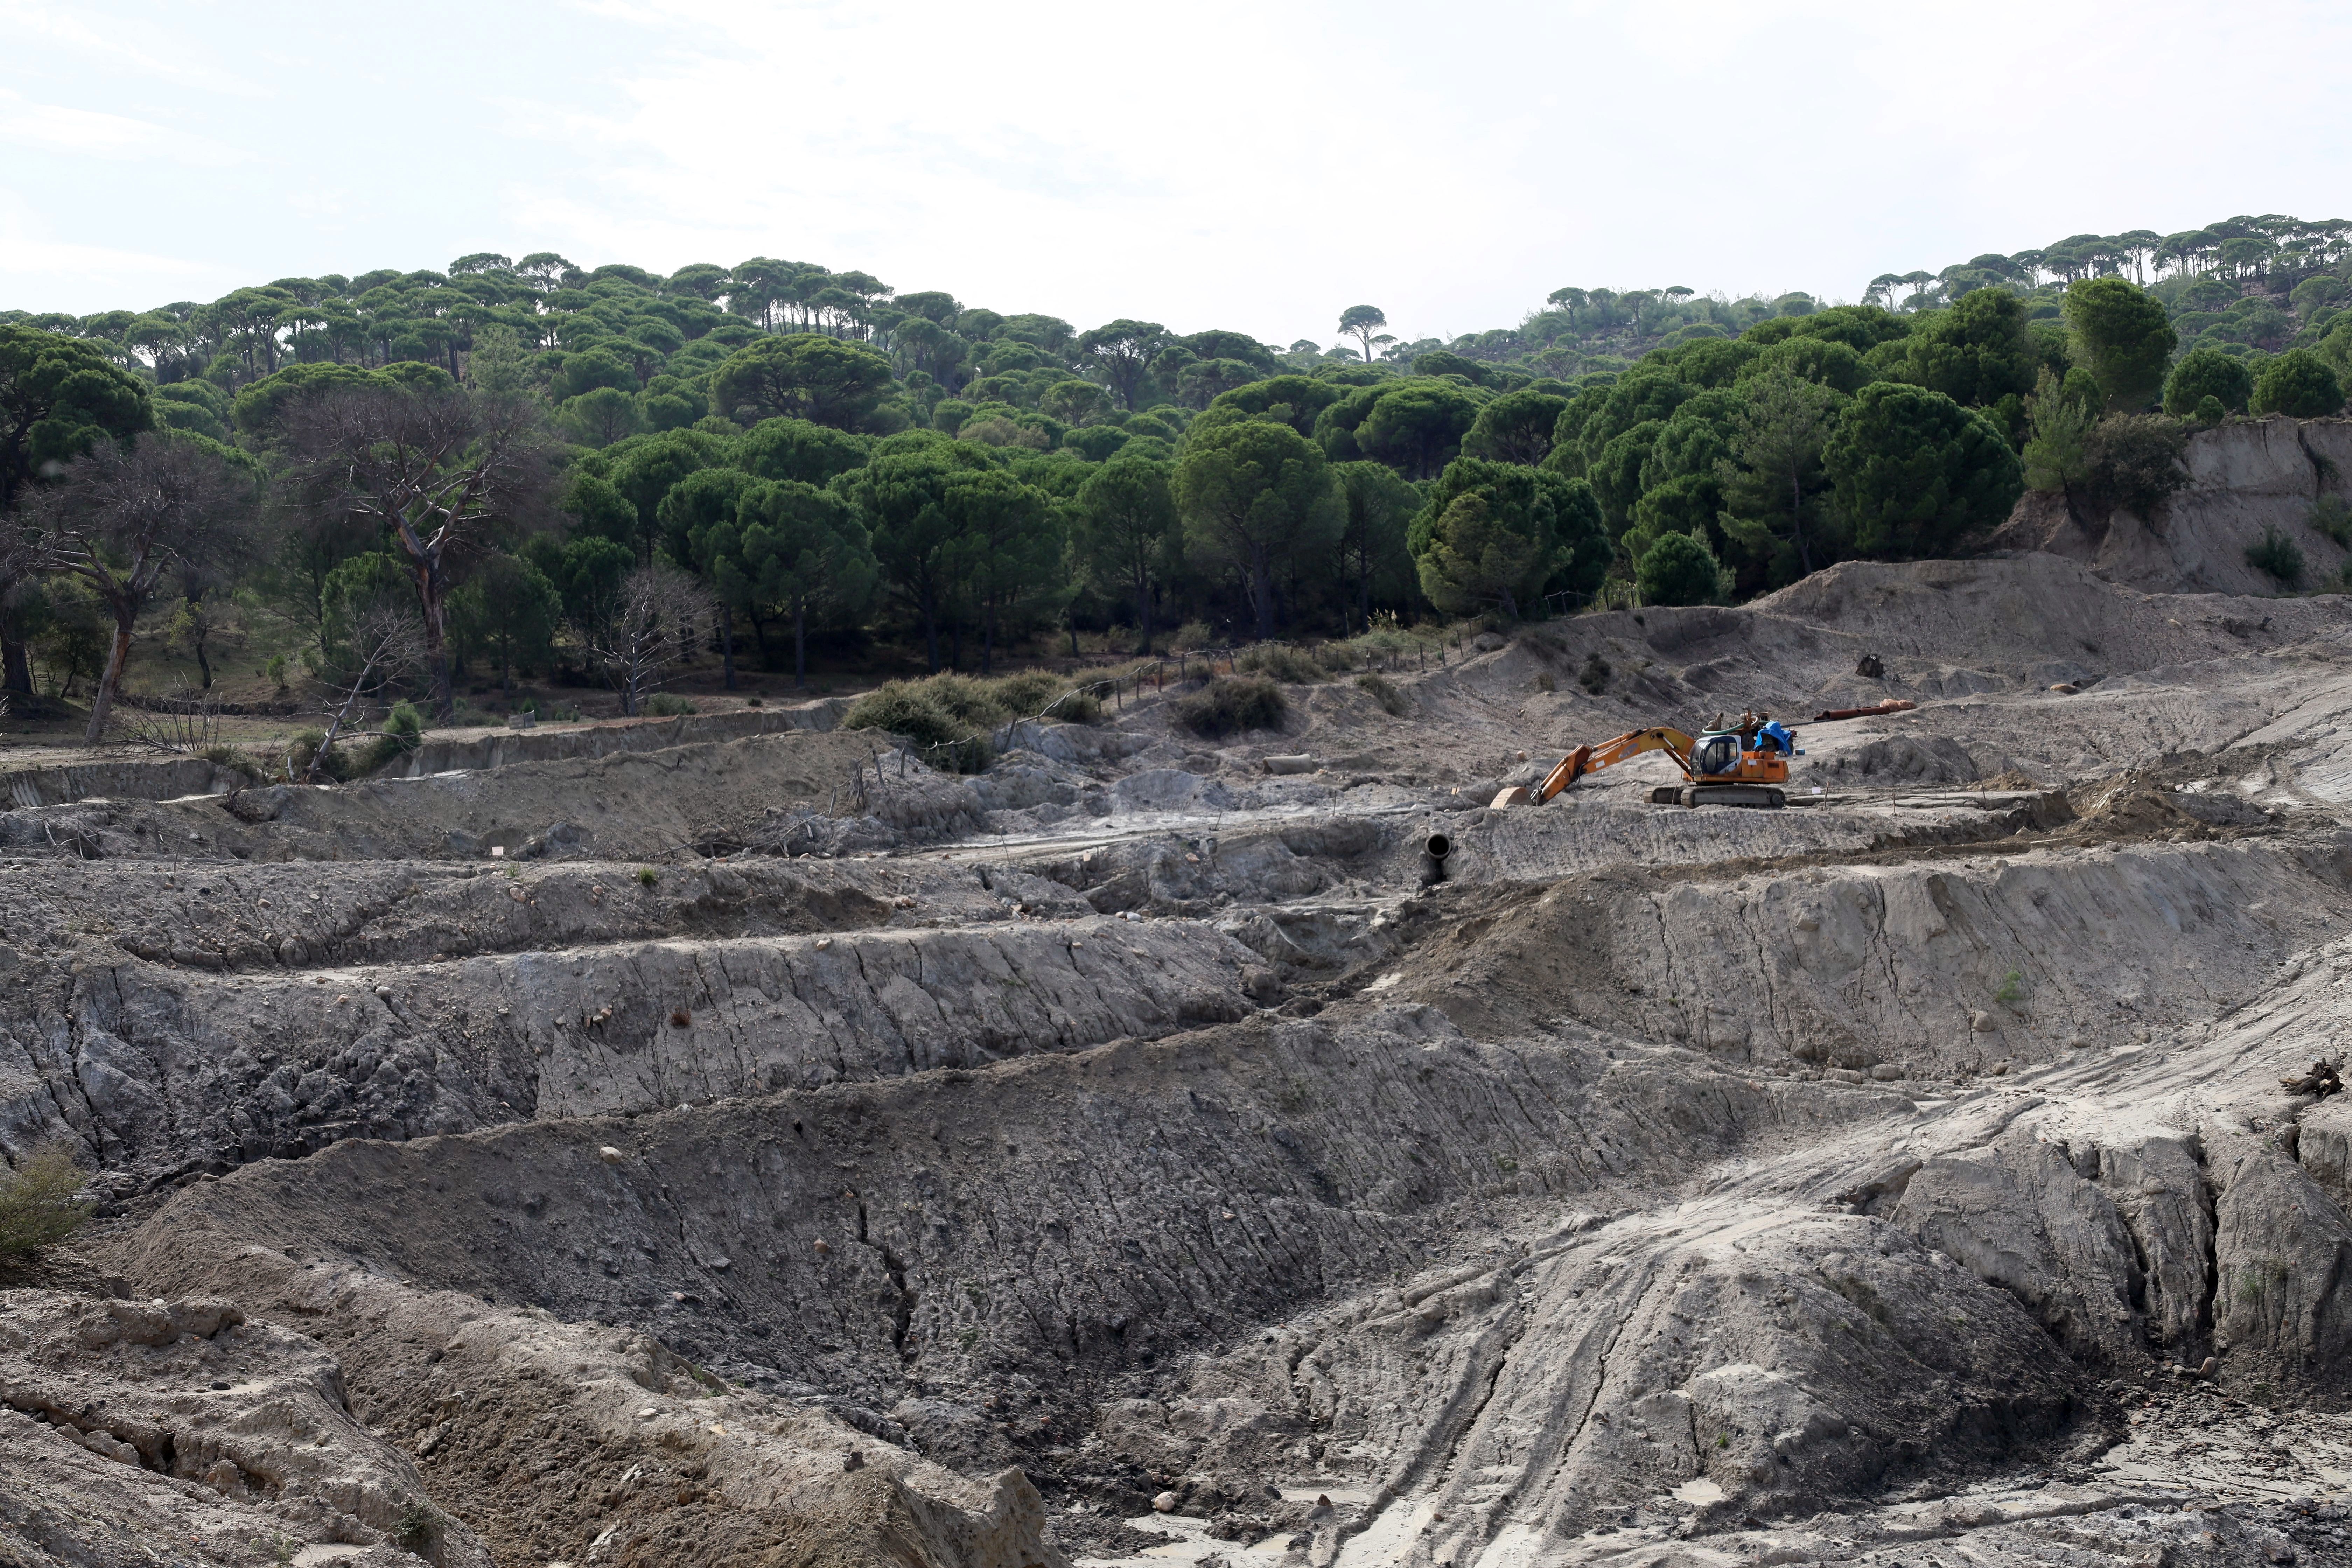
{"type": "Point", "coordinates": [1129, 1154]}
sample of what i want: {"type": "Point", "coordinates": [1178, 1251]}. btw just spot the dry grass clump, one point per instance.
{"type": "Point", "coordinates": [1230, 704]}
{"type": "Point", "coordinates": [1034, 692]}
{"type": "Point", "coordinates": [951, 716]}
{"type": "Point", "coordinates": [1293, 665]}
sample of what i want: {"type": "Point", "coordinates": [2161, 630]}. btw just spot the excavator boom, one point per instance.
{"type": "Point", "coordinates": [1609, 753]}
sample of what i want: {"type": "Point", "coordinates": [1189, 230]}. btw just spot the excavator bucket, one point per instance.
{"type": "Point", "coordinates": [1515, 796]}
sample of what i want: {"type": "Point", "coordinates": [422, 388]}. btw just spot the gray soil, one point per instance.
{"type": "Point", "coordinates": [782, 1154]}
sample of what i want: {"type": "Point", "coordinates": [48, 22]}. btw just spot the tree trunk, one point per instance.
{"type": "Point", "coordinates": [726, 645]}
{"type": "Point", "coordinates": [117, 656]}
{"type": "Point", "coordinates": [1261, 590]}
{"type": "Point", "coordinates": [932, 634]}
{"type": "Point", "coordinates": [203, 665]}
{"type": "Point", "coordinates": [800, 643]}
{"type": "Point", "coordinates": [1143, 616]}
{"type": "Point", "coordinates": [436, 634]}
{"type": "Point", "coordinates": [987, 637]}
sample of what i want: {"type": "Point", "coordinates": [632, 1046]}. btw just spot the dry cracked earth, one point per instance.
{"type": "Point", "coordinates": [779, 1155]}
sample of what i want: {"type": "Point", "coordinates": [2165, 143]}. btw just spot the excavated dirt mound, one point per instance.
{"type": "Point", "coordinates": [777, 1153]}
{"type": "Point", "coordinates": [2246, 478]}
{"type": "Point", "coordinates": [655, 806]}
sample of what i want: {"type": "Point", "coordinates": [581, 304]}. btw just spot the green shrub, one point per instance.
{"type": "Point", "coordinates": [404, 731]}
{"type": "Point", "coordinates": [1021, 695]}
{"type": "Point", "coordinates": [302, 749]}
{"type": "Point", "coordinates": [1292, 666]}
{"type": "Point", "coordinates": [1594, 676]}
{"type": "Point", "coordinates": [276, 670]}
{"type": "Point", "coordinates": [1034, 692]}
{"type": "Point", "coordinates": [2332, 515]}
{"type": "Point", "coordinates": [1191, 635]}
{"type": "Point", "coordinates": [648, 875]}
{"type": "Point", "coordinates": [2278, 555]}
{"type": "Point", "coordinates": [1230, 704]}
{"type": "Point", "coordinates": [234, 759]}
{"type": "Point", "coordinates": [947, 710]}
{"type": "Point", "coordinates": [1384, 692]}
{"type": "Point", "coordinates": [670, 705]}
{"type": "Point", "coordinates": [37, 1205]}
{"type": "Point", "coordinates": [971, 702]}
{"type": "Point", "coordinates": [2134, 461]}
{"type": "Point", "coordinates": [1077, 706]}
{"type": "Point", "coordinates": [417, 1530]}
{"type": "Point", "coordinates": [904, 708]}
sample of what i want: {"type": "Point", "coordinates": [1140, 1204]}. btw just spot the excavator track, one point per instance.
{"type": "Point", "coordinates": [1762, 796]}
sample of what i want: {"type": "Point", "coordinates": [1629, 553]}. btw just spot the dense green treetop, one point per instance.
{"type": "Point", "coordinates": [1010, 472]}
{"type": "Point", "coordinates": [58, 398]}
{"type": "Point", "coordinates": [1915, 472]}
{"type": "Point", "coordinates": [2299, 384]}
{"type": "Point", "coordinates": [2205, 373]}
{"type": "Point", "coordinates": [2122, 336]}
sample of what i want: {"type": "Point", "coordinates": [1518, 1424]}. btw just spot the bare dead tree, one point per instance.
{"type": "Point", "coordinates": [386, 642]}
{"type": "Point", "coordinates": [187, 727]}
{"type": "Point", "coordinates": [119, 518]}
{"type": "Point", "coordinates": [441, 475]}
{"type": "Point", "coordinates": [649, 632]}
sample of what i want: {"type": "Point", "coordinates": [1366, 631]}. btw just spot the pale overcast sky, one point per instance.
{"type": "Point", "coordinates": [1257, 166]}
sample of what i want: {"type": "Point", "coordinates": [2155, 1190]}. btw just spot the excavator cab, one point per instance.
{"type": "Point", "coordinates": [1735, 764]}
{"type": "Point", "coordinates": [1716, 755]}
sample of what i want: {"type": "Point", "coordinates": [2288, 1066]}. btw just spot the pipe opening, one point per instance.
{"type": "Point", "coordinates": [1439, 846]}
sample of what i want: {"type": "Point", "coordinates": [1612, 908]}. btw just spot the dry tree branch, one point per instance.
{"type": "Point", "coordinates": [388, 641]}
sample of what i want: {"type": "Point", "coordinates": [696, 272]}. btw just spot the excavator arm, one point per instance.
{"type": "Point", "coordinates": [1609, 753]}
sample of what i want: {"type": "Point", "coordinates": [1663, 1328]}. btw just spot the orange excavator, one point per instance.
{"type": "Point", "coordinates": [1730, 765]}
